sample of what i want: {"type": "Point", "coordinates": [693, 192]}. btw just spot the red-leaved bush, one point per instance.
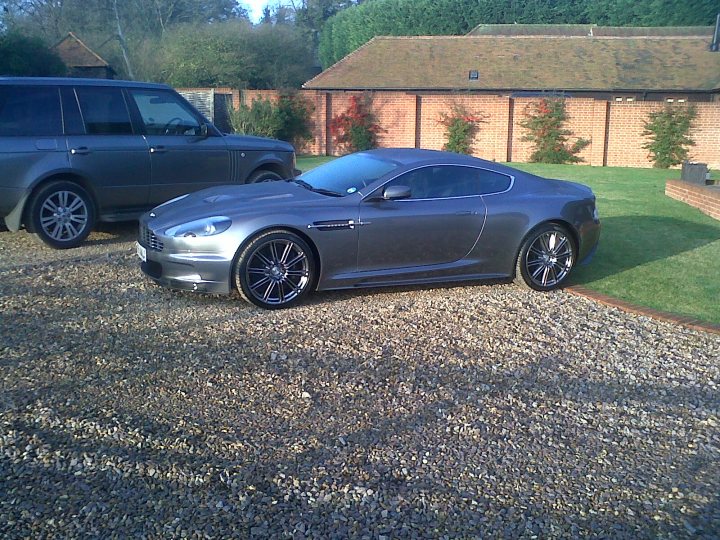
{"type": "Point", "coordinates": [355, 129]}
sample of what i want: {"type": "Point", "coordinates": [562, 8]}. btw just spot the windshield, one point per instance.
{"type": "Point", "coordinates": [347, 175]}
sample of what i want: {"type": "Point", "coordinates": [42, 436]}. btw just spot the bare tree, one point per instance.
{"type": "Point", "coordinates": [123, 43]}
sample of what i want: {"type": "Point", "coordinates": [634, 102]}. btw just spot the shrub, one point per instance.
{"type": "Point", "coordinates": [287, 120]}
{"type": "Point", "coordinates": [460, 129]}
{"type": "Point", "coordinates": [295, 116]}
{"type": "Point", "coordinates": [355, 129]}
{"type": "Point", "coordinates": [259, 118]}
{"type": "Point", "coordinates": [28, 56]}
{"type": "Point", "coordinates": [669, 134]}
{"type": "Point", "coordinates": [544, 121]}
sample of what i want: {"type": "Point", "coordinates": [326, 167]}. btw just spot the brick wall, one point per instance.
{"type": "Point", "coordinates": [704, 198]}
{"type": "Point", "coordinates": [614, 129]}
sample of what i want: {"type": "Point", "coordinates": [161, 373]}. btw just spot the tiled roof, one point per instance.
{"type": "Point", "coordinates": [74, 53]}
{"type": "Point", "coordinates": [588, 30]}
{"type": "Point", "coordinates": [527, 62]}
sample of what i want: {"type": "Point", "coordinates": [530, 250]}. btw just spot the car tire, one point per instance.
{"type": "Point", "coordinates": [275, 270]}
{"type": "Point", "coordinates": [546, 258]}
{"type": "Point", "coordinates": [263, 175]}
{"type": "Point", "coordinates": [62, 214]}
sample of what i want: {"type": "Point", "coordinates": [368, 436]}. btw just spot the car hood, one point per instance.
{"type": "Point", "coordinates": [232, 201]}
{"type": "Point", "coordinates": [250, 142]}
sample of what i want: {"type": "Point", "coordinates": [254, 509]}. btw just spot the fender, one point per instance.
{"type": "Point", "coordinates": [13, 220]}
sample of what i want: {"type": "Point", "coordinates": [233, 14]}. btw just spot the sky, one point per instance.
{"type": "Point", "coordinates": [255, 8]}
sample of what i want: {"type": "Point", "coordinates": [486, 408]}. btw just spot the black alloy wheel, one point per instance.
{"type": "Point", "coordinates": [275, 270]}
{"type": "Point", "coordinates": [546, 258]}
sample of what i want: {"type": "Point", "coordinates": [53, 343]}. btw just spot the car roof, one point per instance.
{"type": "Point", "coordinates": [71, 81]}
{"type": "Point", "coordinates": [419, 156]}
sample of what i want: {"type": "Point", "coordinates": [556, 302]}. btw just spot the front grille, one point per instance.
{"type": "Point", "coordinates": [149, 240]}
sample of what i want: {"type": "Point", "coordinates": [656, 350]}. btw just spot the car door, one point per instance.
{"type": "Point", "coordinates": [438, 223]}
{"type": "Point", "coordinates": [104, 148]}
{"type": "Point", "coordinates": [183, 159]}
{"type": "Point", "coordinates": [31, 139]}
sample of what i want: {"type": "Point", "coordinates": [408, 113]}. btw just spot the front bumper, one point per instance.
{"type": "Point", "coordinates": [170, 264]}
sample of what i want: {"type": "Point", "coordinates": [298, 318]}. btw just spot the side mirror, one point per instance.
{"type": "Point", "coordinates": [394, 193]}
{"type": "Point", "coordinates": [204, 130]}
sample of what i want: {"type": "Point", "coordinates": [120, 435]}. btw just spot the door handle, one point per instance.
{"type": "Point", "coordinates": [157, 149]}
{"type": "Point", "coordinates": [80, 151]}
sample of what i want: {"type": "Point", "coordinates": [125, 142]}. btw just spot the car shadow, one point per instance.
{"type": "Point", "coordinates": [630, 241]}
{"type": "Point", "coordinates": [112, 233]}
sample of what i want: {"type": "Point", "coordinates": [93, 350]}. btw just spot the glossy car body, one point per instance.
{"type": "Point", "coordinates": [76, 151]}
{"type": "Point", "coordinates": [405, 216]}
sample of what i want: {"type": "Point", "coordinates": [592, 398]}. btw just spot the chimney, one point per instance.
{"type": "Point", "coordinates": [715, 45]}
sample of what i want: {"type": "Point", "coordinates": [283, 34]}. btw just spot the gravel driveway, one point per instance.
{"type": "Point", "coordinates": [476, 411]}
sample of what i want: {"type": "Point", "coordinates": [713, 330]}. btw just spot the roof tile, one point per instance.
{"type": "Point", "coordinates": [526, 62]}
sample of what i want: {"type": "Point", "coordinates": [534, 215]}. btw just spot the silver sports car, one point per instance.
{"type": "Point", "coordinates": [376, 218]}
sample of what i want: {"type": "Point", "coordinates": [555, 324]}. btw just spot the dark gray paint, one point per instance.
{"type": "Point", "coordinates": [362, 241]}
{"type": "Point", "coordinates": [120, 172]}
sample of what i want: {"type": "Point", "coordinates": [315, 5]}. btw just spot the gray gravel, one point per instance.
{"type": "Point", "coordinates": [476, 411]}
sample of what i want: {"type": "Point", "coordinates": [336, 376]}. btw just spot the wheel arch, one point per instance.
{"type": "Point", "coordinates": [560, 223]}
{"type": "Point", "coordinates": [283, 228]}
{"type": "Point", "coordinates": [273, 166]}
{"type": "Point", "coordinates": [63, 176]}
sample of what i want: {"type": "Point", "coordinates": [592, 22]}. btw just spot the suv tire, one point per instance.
{"type": "Point", "coordinates": [62, 214]}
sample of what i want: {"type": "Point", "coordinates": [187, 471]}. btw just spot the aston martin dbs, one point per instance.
{"type": "Point", "coordinates": [376, 218]}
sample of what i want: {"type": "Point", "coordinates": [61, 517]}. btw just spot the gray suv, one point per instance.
{"type": "Point", "coordinates": [77, 151]}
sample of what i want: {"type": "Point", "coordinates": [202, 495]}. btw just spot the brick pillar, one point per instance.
{"type": "Point", "coordinates": [600, 119]}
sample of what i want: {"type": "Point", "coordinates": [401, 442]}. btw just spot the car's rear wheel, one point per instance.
{"type": "Point", "coordinates": [546, 258]}
{"type": "Point", "coordinates": [263, 176]}
{"type": "Point", "coordinates": [62, 214]}
{"type": "Point", "coordinates": [275, 270]}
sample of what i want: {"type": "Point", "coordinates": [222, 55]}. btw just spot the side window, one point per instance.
{"type": "Point", "coordinates": [104, 110]}
{"type": "Point", "coordinates": [444, 181]}
{"type": "Point", "coordinates": [30, 111]}
{"type": "Point", "coordinates": [419, 181]}
{"type": "Point", "coordinates": [492, 182]}
{"type": "Point", "coordinates": [164, 113]}
{"type": "Point", "coordinates": [71, 112]}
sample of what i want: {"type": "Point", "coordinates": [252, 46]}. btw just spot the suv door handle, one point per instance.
{"type": "Point", "coordinates": [157, 149]}
{"type": "Point", "coordinates": [80, 151]}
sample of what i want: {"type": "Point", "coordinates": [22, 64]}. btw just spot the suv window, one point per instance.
{"type": "Point", "coordinates": [29, 111]}
{"type": "Point", "coordinates": [444, 181]}
{"type": "Point", "coordinates": [104, 111]}
{"type": "Point", "coordinates": [164, 113]}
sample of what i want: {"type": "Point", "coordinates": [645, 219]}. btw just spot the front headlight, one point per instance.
{"type": "Point", "coordinates": [200, 227]}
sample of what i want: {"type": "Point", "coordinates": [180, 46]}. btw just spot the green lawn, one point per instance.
{"type": "Point", "coordinates": [654, 251]}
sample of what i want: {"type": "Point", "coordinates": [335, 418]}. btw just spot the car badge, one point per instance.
{"type": "Point", "coordinates": [152, 214]}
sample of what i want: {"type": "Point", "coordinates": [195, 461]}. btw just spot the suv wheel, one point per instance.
{"type": "Point", "coordinates": [263, 176]}
{"type": "Point", "coordinates": [62, 214]}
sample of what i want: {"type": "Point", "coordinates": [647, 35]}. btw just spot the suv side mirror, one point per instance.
{"type": "Point", "coordinates": [204, 130]}
{"type": "Point", "coordinates": [394, 193]}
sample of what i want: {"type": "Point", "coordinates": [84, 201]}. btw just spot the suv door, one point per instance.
{"type": "Point", "coordinates": [104, 148]}
{"type": "Point", "coordinates": [31, 141]}
{"type": "Point", "coordinates": [183, 158]}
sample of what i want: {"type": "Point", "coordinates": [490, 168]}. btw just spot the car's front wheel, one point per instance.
{"type": "Point", "coordinates": [275, 270]}
{"type": "Point", "coordinates": [62, 214]}
{"type": "Point", "coordinates": [546, 258]}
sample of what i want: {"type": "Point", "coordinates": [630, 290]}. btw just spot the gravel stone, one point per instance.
{"type": "Point", "coordinates": [129, 410]}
